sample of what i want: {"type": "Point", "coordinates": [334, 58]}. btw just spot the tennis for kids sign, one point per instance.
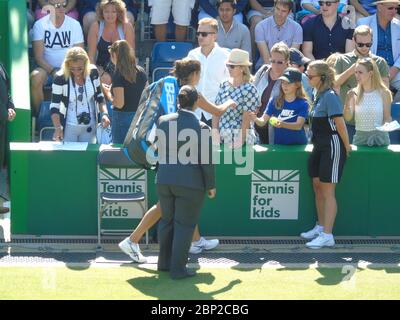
{"type": "Point", "coordinates": [275, 194]}
{"type": "Point", "coordinates": [121, 181]}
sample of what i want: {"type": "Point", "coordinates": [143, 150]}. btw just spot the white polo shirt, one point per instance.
{"type": "Point", "coordinates": [213, 73]}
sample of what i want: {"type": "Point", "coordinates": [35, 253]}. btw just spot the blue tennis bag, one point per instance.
{"type": "Point", "coordinates": [158, 99]}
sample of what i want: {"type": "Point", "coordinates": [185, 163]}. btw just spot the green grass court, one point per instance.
{"type": "Point", "coordinates": [131, 282]}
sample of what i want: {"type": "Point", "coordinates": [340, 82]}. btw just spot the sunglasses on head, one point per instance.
{"type": "Point", "coordinates": [326, 3]}
{"type": "Point", "coordinates": [203, 34]}
{"type": "Point", "coordinates": [277, 62]}
{"type": "Point", "coordinates": [59, 5]}
{"type": "Point", "coordinates": [361, 45]}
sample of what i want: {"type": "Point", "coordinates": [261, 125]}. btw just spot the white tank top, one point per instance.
{"type": "Point", "coordinates": [369, 112]}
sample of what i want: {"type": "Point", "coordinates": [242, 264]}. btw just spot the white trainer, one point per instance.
{"type": "Point", "coordinates": [132, 249]}
{"type": "Point", "coordinates": [323, 240]}
{"type": "Point", "coordinates": [313, 233]}
{"type": "Point", "coordinates": [203, 244]}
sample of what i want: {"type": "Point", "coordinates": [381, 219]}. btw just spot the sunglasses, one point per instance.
{"type": "Point", "coordinates": [79, 69]}
{"type": "Point", "coordinates": [391, 8]}
{"type": "Point", "coordinates": [59, 5]}
{"type": "Point", "coordinates": [309, 76]}
{"type": "Point", "coordinates": [231, 66]}
{"type": "Point", "coordinates": [326, 3]}
{"type": "Point", "coordinates": [361, 45]}
{"type": "Point", "coordinates": [277, 62]}
{"type": "Point", "coordinates": [80, 96]}
{"type": "Point", "coordinates": [204, 34]}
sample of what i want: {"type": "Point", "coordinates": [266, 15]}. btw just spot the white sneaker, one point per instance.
{"type": "Point", "coordinates": [203, 244]}
{"type": "Point", "coordinates": [313, 233]}
{"type": "Point", "coordinates": [323, 240]}
{"type": "Point", "coordinates": [132, 249]}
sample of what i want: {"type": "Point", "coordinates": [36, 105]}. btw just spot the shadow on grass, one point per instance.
{"type": "Point", "coordinates": [161, 286]}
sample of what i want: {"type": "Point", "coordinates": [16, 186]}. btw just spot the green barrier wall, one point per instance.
{"type": "Point", "coordinates": [14, 54]}
{"type": "Point", "coordinates": [55, 193]}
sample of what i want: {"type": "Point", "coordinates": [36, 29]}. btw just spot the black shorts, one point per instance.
{"type": "Point", "coordinates": [327, 160]}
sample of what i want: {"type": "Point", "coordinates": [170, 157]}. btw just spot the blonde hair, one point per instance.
{"type": "Point", "coordinates": [325, 72]}
{"type": "Point", "coordinates": [118, 4]}
{"type": "Point", "coordinates": [376, 79]}
{"type": "Point", "coordinates": [75, 54]}
{"type": "Point", "coordinates": [362, 30]}
{"type": "Point", "coordinates": [331, 60]}
{"type": "Point", "coordinates": [282, 49]}
{"type": "Point", "coordinates": [126, 61]}
{"type": "Point", "coordinates": [247, 77]}
{"type": "Point", "coordinates": [213, 23]}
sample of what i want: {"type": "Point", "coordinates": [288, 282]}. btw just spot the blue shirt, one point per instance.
{"type": "Point", "coordinates": [368, 6]}
{"type": "Point", "coordinates": [325, 41]}
{"type": "Point", "coordinates": [384, 49]}
{"type": "Point", "coordinates": [289, 112]}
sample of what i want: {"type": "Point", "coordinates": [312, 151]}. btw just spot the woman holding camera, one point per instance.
{"type": "Point", "coordinates": [76, 93]}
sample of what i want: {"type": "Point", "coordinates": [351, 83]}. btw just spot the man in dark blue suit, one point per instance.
{"type": "Point", "coordinates": [185, 173]}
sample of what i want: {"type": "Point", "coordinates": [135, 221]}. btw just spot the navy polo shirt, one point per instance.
{"type": "Point", "coordinates": [325, 41]}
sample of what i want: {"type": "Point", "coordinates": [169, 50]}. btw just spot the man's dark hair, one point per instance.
{"type": "Point", "coordinates": [286, 3]}
{"type": "Point", "coordinates": [232, 2]}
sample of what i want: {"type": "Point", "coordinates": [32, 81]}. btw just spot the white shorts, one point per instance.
{"type": "Point", "coordinates": [181, 10]}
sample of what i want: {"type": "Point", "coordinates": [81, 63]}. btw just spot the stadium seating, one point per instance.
{"type": "Point", "coordinates": [164, 55]}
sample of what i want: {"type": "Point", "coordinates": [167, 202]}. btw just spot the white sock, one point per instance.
{"type": "Point", "coordinates": [320, 228]}
{"type": "Point", "coordinates": [327, 235]}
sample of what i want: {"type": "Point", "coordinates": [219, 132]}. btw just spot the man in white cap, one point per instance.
{"type": "Point", "coordinates": [386, 30]}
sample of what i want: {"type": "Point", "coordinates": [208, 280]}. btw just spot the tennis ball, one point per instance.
{"type": "Point", "coordinates": [273, 121]}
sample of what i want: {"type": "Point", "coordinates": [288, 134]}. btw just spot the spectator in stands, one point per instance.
{"type": "Point", "coordinates": [212, 59]}
{"type": "Point", "coordinates": [181, 198]}
{"type": "Point", "coordinates": [187, 71]}
{"type": "Point", "coordinates": [364, 8]}
{"type": "Point", "coordinates": [87, 13]}
{"type": "Point", "coordinates": [324, 34]}
{"type": "Point", "coordinates": [231, 34]}
{"type": "Point", "coordinates": [277, 28]}
{"type": "Point", "coordinates": [51, 40]}
{"type": "Point", "coordinates": [288, 111]}
{"type": "Point", "coordinates": [128, 83]}
{"type": "Point", "coordinates": [386, 44]}
{"type": "Point", "coordinates": [160, 12]}
{"type": "Point", "coordinates": [331, 148]}
{"type": "Point", "coordinates": [69, 7]}
{"type": "Point", "coordinates": [259, 10]}
{"type": "Point", "coordinates": [7, 113]}
{"type": "Point", "coordinates": [268, 83]}
{"type": "Point", "coordinates": [369, 104]}
{"type": "Point", "coordinates": [299, 61]}
{"type": "Point", "coordinates": [77, 96]}
{"type": "Point", "coordinates": [234, 127]}
{"type": "Point", "coordinates": [311, 8]}
{"type": "Point", "coordinates": [111, 25]}
{"type": "Point", "coordinates": [346, 64]}
{"type": "Point", "coordinates": [210, 9]}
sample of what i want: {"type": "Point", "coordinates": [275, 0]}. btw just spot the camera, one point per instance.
{"type": "Point", "coordinates": [83, 118]}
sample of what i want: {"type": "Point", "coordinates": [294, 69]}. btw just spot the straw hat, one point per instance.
{"type": "Point", "coordinates": [239, 57]}
{"type": "Point", "coordinates": [385, 1]}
